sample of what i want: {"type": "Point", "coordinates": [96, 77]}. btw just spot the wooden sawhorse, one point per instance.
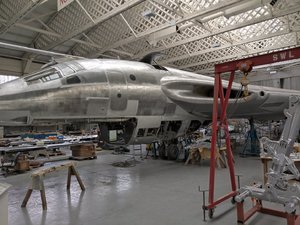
{"type": "Point", "coordinates": [203, 153]}
{"type": "Point", "coordinates": [37, 182]}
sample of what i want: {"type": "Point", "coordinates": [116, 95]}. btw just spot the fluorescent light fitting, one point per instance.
{"type": "Point", "coordinates": [241, 8]}
{"type": "Point", "coordinates": [159, 35]}
{"type": "Point", "coordinates": [215, 44]}
{"type": "Point", "coordinates": [148, 14]}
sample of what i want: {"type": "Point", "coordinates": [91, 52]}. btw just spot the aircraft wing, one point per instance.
{"type": "Point", "coordinates": [196, 97]}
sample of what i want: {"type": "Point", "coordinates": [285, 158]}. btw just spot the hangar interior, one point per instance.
{"type": "Point", "coordinates": [156, 107]}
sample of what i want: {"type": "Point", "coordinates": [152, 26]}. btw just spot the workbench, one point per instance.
{"type": "Point", "coordinates": [28, 148]}
{"type": "Point", "coordinates": [266, 159]}
{"type": "Point", "coordinates": [16, 149]}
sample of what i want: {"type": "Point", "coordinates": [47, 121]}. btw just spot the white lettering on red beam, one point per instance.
{"type": "Point", "coordinates": [283, 56]}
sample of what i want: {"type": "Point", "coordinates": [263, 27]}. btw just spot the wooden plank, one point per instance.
{"type": "Point", "coordinates": [38, 183]}
{"type": "Point", "coordinates": [52, 168]}
{"type": "Point", "coordinates": [43, 197]}
{"type": "Point", "coordinates": [27, 196]}
{"type": "Point", "coordinates": [74, 172]}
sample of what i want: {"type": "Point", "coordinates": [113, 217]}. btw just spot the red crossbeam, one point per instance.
{"type": "Point", "coordinates": [274, 57]}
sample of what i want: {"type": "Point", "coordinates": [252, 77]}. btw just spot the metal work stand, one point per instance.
{"type": "Point", "coordinates": [278, 189]}
{"type": "Point", "coordinates": [242, 216]}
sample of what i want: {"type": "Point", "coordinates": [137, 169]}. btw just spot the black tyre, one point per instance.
{"type": "Point", "coordinates": [162, 151]}
{"type": "Point", "coordinates": [172, 151]}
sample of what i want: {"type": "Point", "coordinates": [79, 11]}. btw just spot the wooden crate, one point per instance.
{"type": "Point", "coordinates": [22, 165]}
{"type": "Point", "coordinates": [84, 150]}
{"type": "Point", "coordinates": [297, 148]}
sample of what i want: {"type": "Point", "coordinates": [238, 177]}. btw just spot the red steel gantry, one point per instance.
{"type": "Point", "coordinates": [219, 118]}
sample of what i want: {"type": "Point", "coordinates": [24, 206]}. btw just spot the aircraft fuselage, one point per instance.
{"type": "Point", "coordinates": [145, 101]}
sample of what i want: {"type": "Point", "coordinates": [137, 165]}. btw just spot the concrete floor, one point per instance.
{"type": "Point", "coordinates": [152, 192]}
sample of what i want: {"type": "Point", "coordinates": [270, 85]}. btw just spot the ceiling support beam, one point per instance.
{"type": "Point", "coordinates": [237, 43]}
{"type": "Point", "coordinates": [36, 17]}
{"type": "Point", "coordinates": [31, 5]}
{"type": "Point", "coordinates": [26, 66]}
{"type": "Point", "coordinates": [185, 18]}
{"type": "Point", "coordinates": [86, 12]}
{"type": "Point", "coordinates": [35, 51]}
{"type": "Point", "coordinates": [233, 57]}
{"type": "Point", "coordinates": [101, 19]}
{"type": "Point", "coordinates": [212, 10]}
{"type": "Point", "coordinates": [128, 25]}
{"type": "Point", "coordinates": [224, 30]}
{"type": "Point", "coordinates": [51, 33]}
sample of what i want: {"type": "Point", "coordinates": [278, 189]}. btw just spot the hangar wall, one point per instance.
{"type": "Point", "coordinates": [286, 83]}
{"type": "Point", "coordinates": [287, 79]}
{"type": "Point", "coordinates": [17, 67]}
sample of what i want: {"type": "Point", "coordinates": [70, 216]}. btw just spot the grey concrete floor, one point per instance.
{"type": "Point", "coordinates": [152, 192]}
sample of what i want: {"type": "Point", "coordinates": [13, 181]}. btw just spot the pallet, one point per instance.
{"type": "Point", "coordinates": [83, 151]}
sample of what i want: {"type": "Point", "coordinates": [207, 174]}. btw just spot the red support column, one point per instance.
{"type": "Point", "coordinates": [228, 94]}
{"type": "Point", "coordinates": [224, 121]}
{"type": "Point", "coordinates": [219, 94]}
{"type": "Point", "coordinates": [213, 142]}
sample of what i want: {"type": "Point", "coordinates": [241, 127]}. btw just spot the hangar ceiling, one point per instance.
{"type": "Point", "coordinates": [192, 35]}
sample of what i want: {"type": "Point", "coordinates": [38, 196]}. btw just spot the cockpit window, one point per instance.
{"type": "Point", "coordinates": [69, 68]}
{"type": "Point", "coordinates": [66, 70]}
{"type": "Point", "coordinates": [50, 77]}
{"type": "Point", "coordinates": [46, 75]}
{"type": "Point", "coordinates": [73, 80]}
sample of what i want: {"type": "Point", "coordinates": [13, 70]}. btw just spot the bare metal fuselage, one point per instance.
{"type": "Point", "coordinates": [195, 95]}
{"type": "Point", "coordinates": [93, 91]}
{"type": "Point", "coordinates": [107, 91]}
